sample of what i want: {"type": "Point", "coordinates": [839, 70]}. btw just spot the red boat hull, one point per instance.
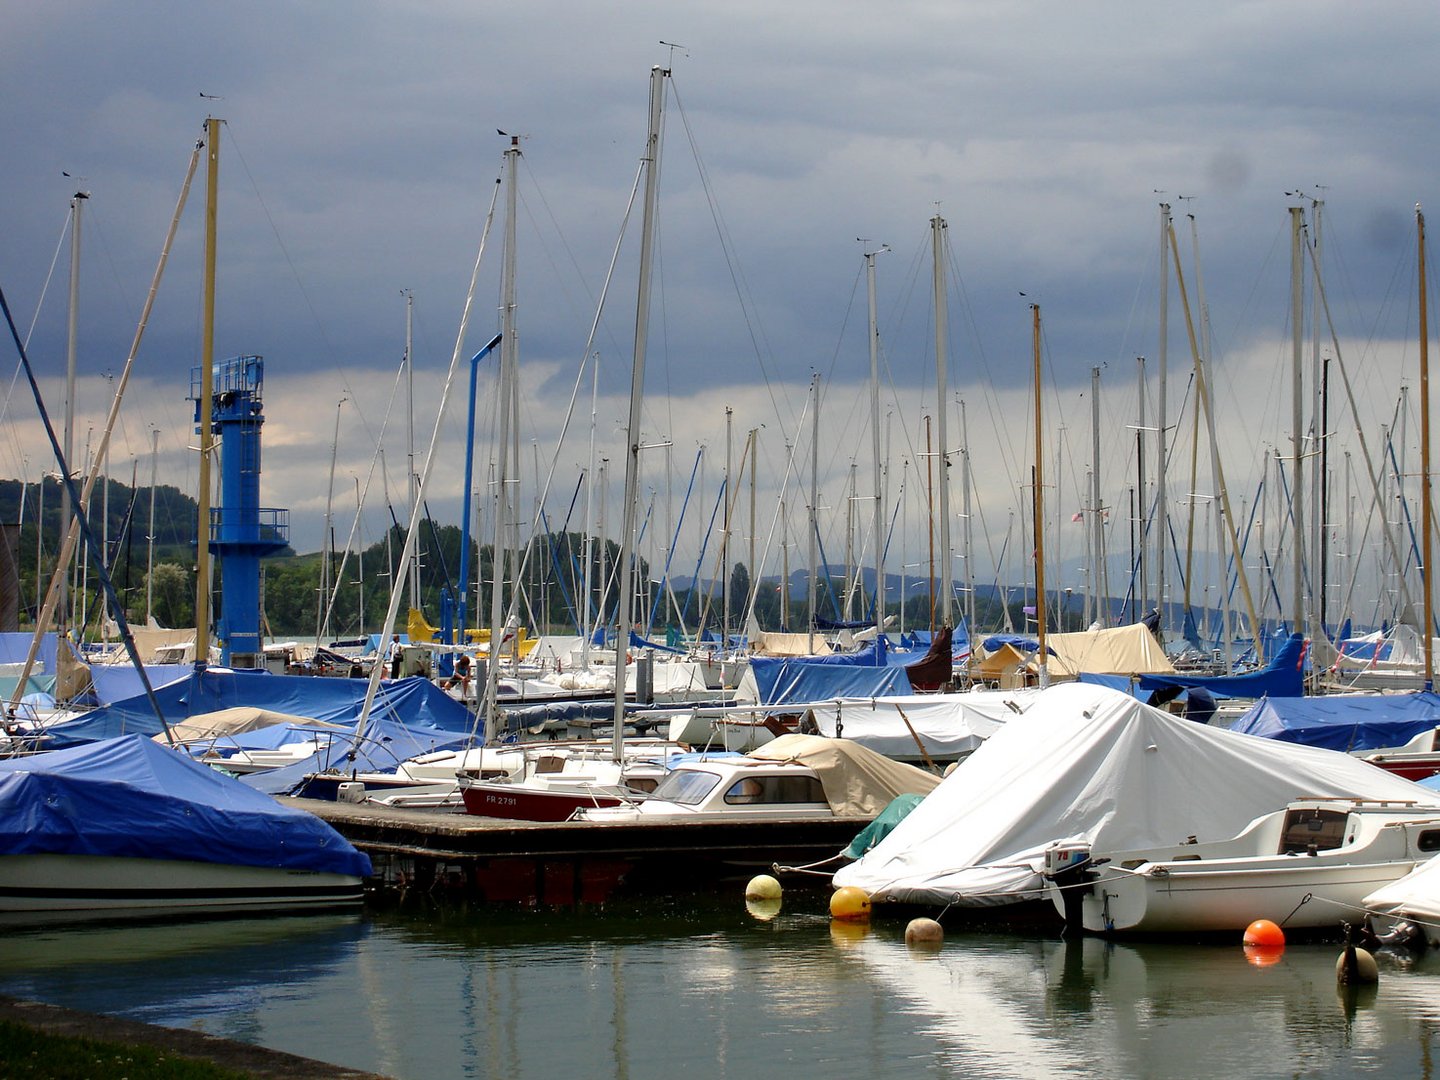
{"type": "Point", "coordinates": [1411, 767]}
{"type": "Point", "coordinates": [517, 803]}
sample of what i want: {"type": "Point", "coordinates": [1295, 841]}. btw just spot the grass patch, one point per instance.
{"type": "Point", "coordinates": [26, 1053]}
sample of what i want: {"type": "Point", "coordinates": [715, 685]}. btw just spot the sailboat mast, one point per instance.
{"type": "Point", "coordinates": [1297, 419]}
{"type": "Point", "coordinates": [1098, 583]}
{"type": "Point", "coordinates": [1039, 511]}
{"type": "Point", "coordinates": [77, 202]}
{"type": "Point", "coordinates": [814, 523]}
{"type": "Point", "coordinates": [942, 397]}
{"type": "Point", "coordinates": [412, 477]}
{"type": "Point", "coordinates": [930, 514]}
{"type": "Point", "coordinates": [969, 536]}
{"type": "Point", "coordinates": [150, 538]}
{"type": "Point", "coordinates": [500, 500]}
{"type": "Point", "coordinates": [1162, 433]}
{"type": "Point", "coordinates": [207, 394]}
{"type": "Point", "coordinates": [1425, 499]}
{"type": "Point", "coordinates": [587, 545]}
{"type": "Point", "coordinates": [879, 510]}
{"type": "Point", "coordinates": [725, 528]}
{"type": "Point", "coordinates": [1142, 587]}
{"type": "Point", "coordinates": [637, 388]}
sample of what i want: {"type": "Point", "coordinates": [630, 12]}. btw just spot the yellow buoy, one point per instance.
{"type": "Point", "coordinates": [850, 904]}
{"type": "Point", "coordinates": [924, 933]}
{"type": "Point", "coordinates": [846, 935]}
{"type": "Point", "coordinates": [762, 887]}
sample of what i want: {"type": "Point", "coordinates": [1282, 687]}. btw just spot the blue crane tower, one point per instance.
{"type": "Point", "coordinates": [242, 532]}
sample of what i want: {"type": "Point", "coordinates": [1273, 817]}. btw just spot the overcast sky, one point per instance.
{"type": "Point", "coordinates": [360, 156]}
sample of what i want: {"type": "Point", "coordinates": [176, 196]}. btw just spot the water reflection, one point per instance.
{"type": "Point", "coordinates": [706, 989]}
{"type": "Point", "coordinates": [1051, 1008]}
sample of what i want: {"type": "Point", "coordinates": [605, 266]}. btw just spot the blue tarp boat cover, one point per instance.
{"type": "Point", "coordinates": [638, 642]}
{"type": "Point", "coordinates": [116, 682]}
{"type": "Point", "coordinates": [1019, 642]}
{"type": "Point", "coordinates": [416, 701]}
{"type": "Point", "coordinates": [386, 744]}
{"type": "Point", "coordinates": [132, 798]}
{"type": "Point", "coordinates": [15, 646]}
{"type": "Point", "coordinates": [865, 673]}
{"type": "Point", "coordinates": [1282, 677]}
{"type": "Point", "coordinates": [1344, 721]}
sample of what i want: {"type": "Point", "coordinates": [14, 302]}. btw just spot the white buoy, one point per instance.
{"type": "Point", "coordinates": [762, 887]}
{"type": "Point", "coordinates": [924, 933]}
{"type": "Point", "coordinates": [1356, 967]}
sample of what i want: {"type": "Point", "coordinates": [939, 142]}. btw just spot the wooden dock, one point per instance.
{"type": "Point", "coordinates": [568, 863]}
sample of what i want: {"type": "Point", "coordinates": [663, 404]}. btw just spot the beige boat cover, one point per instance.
{"type": "Point", "coordinates": [1121, 650]}
{"type": "Point", "coordinates": [857, 781]}
{"type": "Point", "coordinates": [768, 644]}
{"type": "Point", "coordinates": [224, 722]}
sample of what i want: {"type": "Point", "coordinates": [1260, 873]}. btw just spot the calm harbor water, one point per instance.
{"type": "Point", "coordinates": [702, 989]}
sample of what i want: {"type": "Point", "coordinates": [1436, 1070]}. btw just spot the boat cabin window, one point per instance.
{"type": "Point", "coordinates": [775, 789]}
{"type": "Point", "coordinates": [1322, 830]}
{"type": "Point", "coordinates": [1429, 840]}
{"type": "Point", "coordinates": [688, 787]}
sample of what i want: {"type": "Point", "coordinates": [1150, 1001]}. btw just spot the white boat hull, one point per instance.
{"type": "Point", "coordinates": [1293, 891]}
{"type": "Point", "coordinates": [114, 885]}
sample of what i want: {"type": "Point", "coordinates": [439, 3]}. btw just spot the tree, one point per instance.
{"type": "Point", "coordinates": [173, 589]}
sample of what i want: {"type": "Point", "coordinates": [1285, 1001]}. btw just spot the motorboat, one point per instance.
{"type": "Point", "coordinates": [727, 789]}
{"type": "Point", "coordinates": [1094, 768]}
{"type": "Point", "coordinates": [126, 826]}
{"type": "Point", "coordinates": [1308, 865]}
{"type": "Point", "coordinates": [793, 777]}
{"type": "Point", "coordinates": [555, 780]}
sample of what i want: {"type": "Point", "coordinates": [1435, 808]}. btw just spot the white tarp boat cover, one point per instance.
{"type": "Point", "coordinates": [1088, 764]}
{"type": "Point", "coordinates": [856, 781]}
{"type": "Point", "coordinates": [1119, 650]}
{"type": "Point", "coordinates": [1416, 894]}
{"type": "Point", "coordinates": [947, 725]}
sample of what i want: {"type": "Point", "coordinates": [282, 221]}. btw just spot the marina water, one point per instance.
{"type": "Point", "coordinates": [701, 988]}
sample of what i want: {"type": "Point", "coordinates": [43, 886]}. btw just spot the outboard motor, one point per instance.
{"type": "Point", "coordinates": [1070, 867]}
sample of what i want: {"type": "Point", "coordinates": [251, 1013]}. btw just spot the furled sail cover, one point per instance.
{"type": "Point", "coordinates": [129, 797]}
{"type": "Point", "coordinates": [1284, 676]}
{"type": "Point", "coordinates": [1088, 764]}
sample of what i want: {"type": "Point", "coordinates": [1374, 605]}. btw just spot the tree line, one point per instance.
{"type": "Point", "coordinates": [551, 567]}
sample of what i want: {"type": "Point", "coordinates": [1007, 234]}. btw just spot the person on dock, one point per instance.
{"type": "Point", "coordinates": [461, 678]}
{"type": "Point", "coordinates": [393, 655]}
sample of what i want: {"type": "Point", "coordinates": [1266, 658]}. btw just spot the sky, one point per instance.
{"type": "Point", "coordinates": [359, 160]}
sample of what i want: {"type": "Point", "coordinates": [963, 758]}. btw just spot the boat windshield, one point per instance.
{"type": "Point", "coordinates": [685, 786]}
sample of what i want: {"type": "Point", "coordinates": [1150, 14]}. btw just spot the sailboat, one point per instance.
{"type": "Point", "coordinates": [537, 795]}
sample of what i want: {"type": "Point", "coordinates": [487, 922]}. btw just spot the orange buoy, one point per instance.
{"type": "Point", "coordinates": [1266, 933]}
{"type": "Point", "coordinates": [850, 904]}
